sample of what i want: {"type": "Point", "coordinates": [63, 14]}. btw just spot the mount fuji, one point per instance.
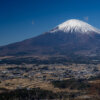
{"type": "Point", "coordinates": [77, 26]}
{"type": "Point", "coordinates": [73, 37]}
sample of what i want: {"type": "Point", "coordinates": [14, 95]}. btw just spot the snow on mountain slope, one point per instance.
{"type": "Point", "coordinates": [74, 25]}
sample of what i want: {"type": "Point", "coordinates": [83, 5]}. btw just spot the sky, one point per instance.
{"type": "Point", "coordinates": [23, 19]}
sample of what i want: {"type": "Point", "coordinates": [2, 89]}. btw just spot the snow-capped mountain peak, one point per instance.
{"type": "Point", "coordinates": [74, 25]}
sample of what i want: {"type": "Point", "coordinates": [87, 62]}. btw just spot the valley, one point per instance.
{"type": "Point", "coordinates": [72, 80]}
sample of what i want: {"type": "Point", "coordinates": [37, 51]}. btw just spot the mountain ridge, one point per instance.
{"type": "Point", "coordinates": [58, 43]}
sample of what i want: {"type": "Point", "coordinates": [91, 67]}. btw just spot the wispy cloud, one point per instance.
{"type": "Point", "coordinates": [86, 18]}
{"type": "Point", "coordinates": [32, 22]}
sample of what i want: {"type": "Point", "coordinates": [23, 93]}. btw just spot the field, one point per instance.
{"type": "Point", "coordinates": [67, 81]}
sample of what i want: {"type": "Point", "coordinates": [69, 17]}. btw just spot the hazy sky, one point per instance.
{"type": "Point", "coordinates": [22, 19]}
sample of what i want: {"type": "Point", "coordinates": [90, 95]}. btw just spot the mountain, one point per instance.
{"type": "Point", "coordinates": [75, 26]}
{"type": "Point", "coordinates": [73, 37]}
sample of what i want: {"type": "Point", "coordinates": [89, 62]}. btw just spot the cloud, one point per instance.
{"type": "Point", "coordinates": [32, 22]}
{"type": "Point", "coordinates": [86, 18]}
